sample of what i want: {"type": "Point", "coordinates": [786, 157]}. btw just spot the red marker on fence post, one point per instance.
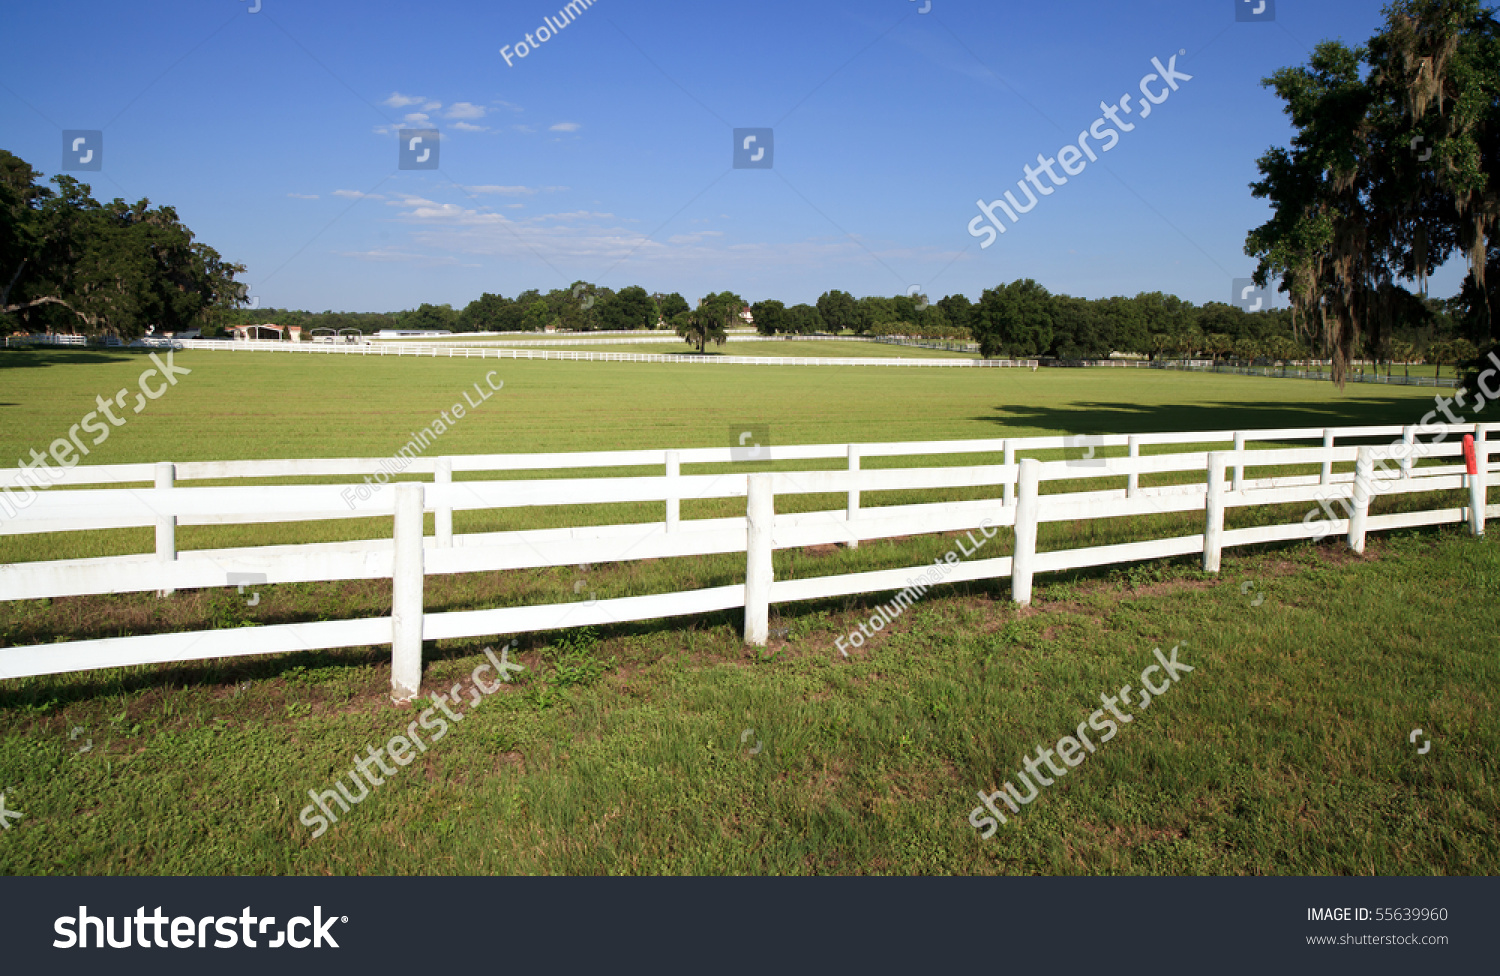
{"type": "Point", "coordinates": [1478, 490]}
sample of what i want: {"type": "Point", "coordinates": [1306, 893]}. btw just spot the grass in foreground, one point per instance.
{"type": "Point", "coordinates": [628, 750]}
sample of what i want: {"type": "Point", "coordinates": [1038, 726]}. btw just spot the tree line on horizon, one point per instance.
{"type": "Point", "coordinates": [1021, 319]}
{"type": "Point", "coordinates": [1389, 173]}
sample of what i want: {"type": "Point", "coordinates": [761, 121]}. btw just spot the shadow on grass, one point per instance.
{"type": "Point", "coordinates": [1101, 417]}
{"type": "Point", "coordinates": [62, 356]}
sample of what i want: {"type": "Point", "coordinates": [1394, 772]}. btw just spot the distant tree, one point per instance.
{"type": "Point", "coordinates": [770, 317]}
{"type": "Point", "coordinates": [579, 310]}
{"type": "Point", "coordinates": [1165, 313]}
{"type": "Point", "coordinates": [1015, 320]}
{"type": "Point", "coordinates": [1217, 318]}
{"type": "Point", "coordinates": [629, 308]}
{"type": "Point", "coordinates": [538, 316]}
{"type": "Point", "coordinates": [487, 313]}
{"type": "Point", "coordinates": [804, 320]}
{"type": "Point", "coordinates": [874, 310]}
{"type": "Point", "coordinates": [1079, 330]}
{"type": "Point", "coordinates": [1126, 323]}
{"type": "Point", "coordinates": [714, 314]}
{"type": "Point", "coordinates": [839, 312]}
{"type": "Point", "coordinates": [426, 316]}
{"type": "Point", "coordinates": [957, 309]}
{"type": "Point", "coordinates": [672, 306]}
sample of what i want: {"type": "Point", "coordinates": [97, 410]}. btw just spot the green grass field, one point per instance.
{"type": "Point", "coordinates": [628, 749]}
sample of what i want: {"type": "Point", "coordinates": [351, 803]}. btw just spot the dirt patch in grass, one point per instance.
{"type": "Point", "coordinates": [1170, 586]}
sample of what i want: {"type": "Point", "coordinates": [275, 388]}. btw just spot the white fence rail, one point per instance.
{"type": "Point", "coordinates": [49, 339]}
{"type": "Point", "coordinates": [407, 557]}
{"type": "Point", "coordinates": [456, 351]}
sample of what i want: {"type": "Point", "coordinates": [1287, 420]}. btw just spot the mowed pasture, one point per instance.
{"type": "Point", "coordinates": [628, 749]}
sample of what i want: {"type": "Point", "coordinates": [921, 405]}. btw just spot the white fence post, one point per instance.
{"type": "Point", "coordinates": [853, 510]}
{"type": "Point", "coordinates": [1328, 461]}
{"type": "Point", "coordinates": [1479, 484]}
{"type": "Point", "coordinates": [442, 518]}
{"type": "Point", "coordinates": [1408, 438]}
{"type": "Point", "coordinates": [1213, 525]}
{"type": "Point", "coordinates": [406, 594]}
{"type": "Point", "coordinates": [166, 525]}
{"type": "Point", "coordinates": [1133, 484]}
{"type": "Point", "coordinates": [1023, 559]}
{"type": "Point", "coordinates": [1010, 488]}
{"type": "Point", "coordinates": [1361, 500]}
{"type": "Point", "coordinates": [674, 498]}
{"type": "Point", "coordinates": [760, 510]}
{"type": "Point", "coordinates": [1239, 463]}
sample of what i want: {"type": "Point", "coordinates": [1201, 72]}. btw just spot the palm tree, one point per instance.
{"type": "Point", "coordinates": [1403, 351]}
{"type": "Point", "coordinates": [1437, 354]}
{"type": "Point", "coordinates": [1159, 343]}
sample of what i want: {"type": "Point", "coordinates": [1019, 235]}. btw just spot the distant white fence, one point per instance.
{"type": "Point", "coordinates": [16, 341]}
{"type": "Point", "coordinates": [455, 351]}
{"type": "Point", "coordinates": [407, 556]}
{"type": "Point", "coordinates": [628, 339]}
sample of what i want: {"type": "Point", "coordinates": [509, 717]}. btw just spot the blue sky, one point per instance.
{"type": "Point", "coordinates": [605, 154]}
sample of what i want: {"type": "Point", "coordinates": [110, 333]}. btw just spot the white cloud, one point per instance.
{"type": "Point", "coordinates": [465, 110]}
{"type": "Point", "coordinates": [523, 129]}
{"type": "Point", "coordinates": [388, 256]}
{"type": "Point", "coordinates": [694, 238]}
{"type": "Point", "coordinates": [432, 106]}
{"type": "Point", "coordinates": [303, 196]}
{"type": "Point", "coordinates": [418, 120]}
{"type": "Point", "coordinates": [398, 100]}
{"type": "Point", "coordinates": [506, 190]}
{"type": "Point", "coordinates": [512, 106]}
{"type": "Point", "coordinates": [357, 195]}
{"type": "Point", "coordinates": [469, 127]}
{"type": "Point", "coordinates": [591, 237]}
{"type": "Point", "coordinates": [565, 127]}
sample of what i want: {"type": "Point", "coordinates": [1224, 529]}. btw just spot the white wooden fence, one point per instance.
{"type": "Point", "coordinates": [407, 557]}
{"type": "Point", "coordinates": [457, 351]}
